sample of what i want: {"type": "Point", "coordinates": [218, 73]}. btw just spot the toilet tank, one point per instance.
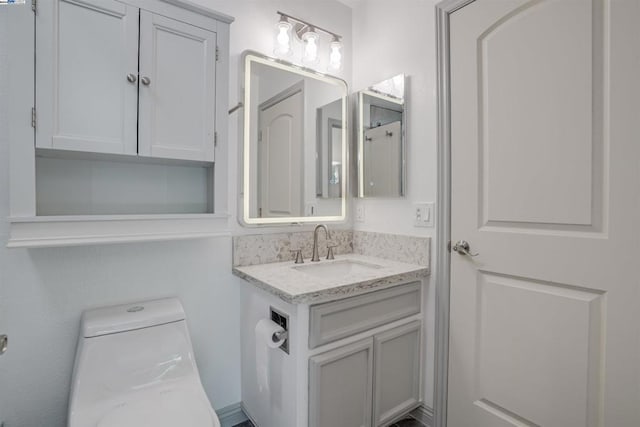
{"type": "Point", "coordinates": [126, 349]}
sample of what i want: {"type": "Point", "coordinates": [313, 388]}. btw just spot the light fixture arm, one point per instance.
{"type": "Point", "coordinates": [307, 24]}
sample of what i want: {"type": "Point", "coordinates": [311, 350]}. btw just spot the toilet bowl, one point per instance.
{"type": "Point", "coordinates": [135, 367]}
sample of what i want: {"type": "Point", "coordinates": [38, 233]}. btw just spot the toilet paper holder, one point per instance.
{"type": "Point", "coordinates": [277, 336]}
{"type": "Point", "coordinates": [281, 319]}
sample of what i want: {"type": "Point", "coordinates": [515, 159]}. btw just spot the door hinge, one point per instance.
{"type": "Point", "coordinates": [217, 53]}
{"type": "Point", "coordinates": [33, 117]}
{"type": "Point", "coordinates": [215, 139]}
{"type": "Point", "coordinates": [34, 6]}
{"type": "Point", "coordinates": [260, 212]}
{"type": "Point", "coordinates": [260, 136]}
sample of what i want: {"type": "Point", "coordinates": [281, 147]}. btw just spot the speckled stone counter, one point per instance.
{"type": "Point", "coordinates": [298, 287]}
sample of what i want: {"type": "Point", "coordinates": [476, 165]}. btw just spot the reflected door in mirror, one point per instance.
{"type": "Point", "coordinates": [280, 155]}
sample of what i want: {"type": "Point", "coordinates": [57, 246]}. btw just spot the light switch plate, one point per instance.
{"type": "Point", "coordinates": [310, 209]}
{"type": "Point", "coordinates": [423, 214]}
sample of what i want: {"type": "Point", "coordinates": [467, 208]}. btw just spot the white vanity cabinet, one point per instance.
{"type": "Point", "coordinates": [352, 362]}
{"type": "Point", "coordinates": [123, 78]}
{"type": "Point", "coordinates": [368, 383]}
{"type": "Point", "coordinates": [346, 391]}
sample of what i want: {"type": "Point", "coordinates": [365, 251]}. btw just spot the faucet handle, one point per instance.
{"type": "Point", "coordinates": [330, 251]}
{"type": "Point", "coordinates": [298, 255]}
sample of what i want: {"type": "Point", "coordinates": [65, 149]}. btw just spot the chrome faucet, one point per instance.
{"type": "Point", "coordinates": [316, 257]}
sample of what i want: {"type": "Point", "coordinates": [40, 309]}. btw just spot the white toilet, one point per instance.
{"type": "Point", "coordinates": [135, 367]}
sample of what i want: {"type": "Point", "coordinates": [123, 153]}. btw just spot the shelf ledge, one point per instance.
{"type": "Point", "coordinates": [54, 231]}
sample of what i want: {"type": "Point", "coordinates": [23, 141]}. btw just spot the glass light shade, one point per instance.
{"type": "Point", "coordinates": [335, 57]}
{"type": "Point", "coordinates": [283, 38]}
{"type": "Point", "coordinates": [310, 39]}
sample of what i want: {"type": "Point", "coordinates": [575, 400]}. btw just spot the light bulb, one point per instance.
{"type": "Point", "coordinates": [283, 39]}
{"type": "Point", "coordinates": [335, 57]}
{"type": "Point", "coordinates": [310, 39]}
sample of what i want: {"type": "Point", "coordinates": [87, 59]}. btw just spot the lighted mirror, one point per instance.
{"type": "Point", "coordinates": [381, 139]}
{"type": "Point", "coordinates": [295, 144]}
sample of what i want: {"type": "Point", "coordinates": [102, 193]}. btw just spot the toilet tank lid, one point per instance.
{"type": "Point", "coordinates": [127, 317]}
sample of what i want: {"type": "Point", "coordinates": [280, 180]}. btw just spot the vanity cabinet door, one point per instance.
{"type": "Point", "coordinates": [396, 372]}
{"type": "Point", "coordinates": [177, 89]}
{"type": "Point", "coordinates": [86, 76]}
{"type": "Point", "coordinates": [340, 386]}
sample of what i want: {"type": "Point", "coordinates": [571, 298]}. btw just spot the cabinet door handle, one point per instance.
{"type": "Point", "coordinates": [131, 78]}
{"type": "Point", "coordinates": [145, 81]}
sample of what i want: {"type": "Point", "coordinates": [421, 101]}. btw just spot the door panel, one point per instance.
{"type": "Point", "coordinates": [340, 383]}
{"type": "Point", "coordinates": [520, 86]}
{"type": "Point", "coordinates": [396, 372]}
{"type": "Point", "coordinates": [545, 190]}
{"type": "Point", "coordinates": [177, 107]}
{"type": "Point", "coordinates": [85, 50]}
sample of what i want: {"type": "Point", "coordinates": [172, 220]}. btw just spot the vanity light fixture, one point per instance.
{"type": "Point", "coordinates": [309, 35]}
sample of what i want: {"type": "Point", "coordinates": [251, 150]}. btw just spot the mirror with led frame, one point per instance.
{"type": "Point", "coordinates": [382, 121]}
{"type": "Point", "coordinates": [295, 144]}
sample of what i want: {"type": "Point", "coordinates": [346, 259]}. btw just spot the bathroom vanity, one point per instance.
{"type": "Point", "coordinates": [353, 357]}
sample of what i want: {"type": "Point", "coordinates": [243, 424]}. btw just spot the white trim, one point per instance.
{"type": "Point", "coordinates": [443, 226]}
{"type": "Point", "coordinates": [231, 415]}
{"type": "Point", "coordinates": [38, 232]}
{"type": "Point", "coordinates": [424, 414]}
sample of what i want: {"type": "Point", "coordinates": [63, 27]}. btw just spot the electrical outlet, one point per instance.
{"type": "Point", "coordinates": [423, 214]}
{"type": "Point", "coordinates": [360, 213]}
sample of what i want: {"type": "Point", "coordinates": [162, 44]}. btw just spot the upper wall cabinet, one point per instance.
{"type": "Point", "coordinates": [129, 107]}
{"type": "Point", "coordinates": [114, 78]}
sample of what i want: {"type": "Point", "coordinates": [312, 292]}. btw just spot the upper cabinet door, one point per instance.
{"type": "Point", "coordinates": [177, 89]}
{"type": "Point", "coordinates": [86, 76]}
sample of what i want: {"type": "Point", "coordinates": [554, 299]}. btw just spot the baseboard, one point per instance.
{"type": "Point", "coordinates": [235, 414]}
{"type": "Point", "coordinates": [424, 414]}
{"type": "Point", "coordinates": [231, 415]}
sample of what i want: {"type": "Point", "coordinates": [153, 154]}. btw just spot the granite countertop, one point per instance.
{"type": "Point", "coordinates": [292, 284]}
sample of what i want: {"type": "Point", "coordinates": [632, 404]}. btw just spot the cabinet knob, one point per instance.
{"type": "Point", "coordinates": [131, 78]}
{"type": "Point", "coordinates": [145, 81]}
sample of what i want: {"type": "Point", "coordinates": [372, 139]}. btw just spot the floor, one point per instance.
{"type": "Point", "coordinates": [407, 422]}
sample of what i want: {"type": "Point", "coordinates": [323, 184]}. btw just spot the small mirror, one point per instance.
{"type": "Point", "coordinates": [295, 143]}
{"type": "Point", "coordinates": [381, 139]}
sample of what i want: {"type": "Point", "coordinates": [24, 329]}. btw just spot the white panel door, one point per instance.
{"type": "Point", "coordinates": [280, 158]}
{"type": "Point", "coordinates": [545, 109]}
{"type": "Point", "coordinates": [177, 89]}
{"type": "Point", "coordinates": [86, 76]}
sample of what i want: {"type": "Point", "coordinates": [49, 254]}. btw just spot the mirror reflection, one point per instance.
{"type": "Point", "coordinates": [381, 139]}
{"type": "Point", "coordinates": [294, 143]}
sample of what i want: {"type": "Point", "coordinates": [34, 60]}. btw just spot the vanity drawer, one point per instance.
{"type": "Point", "coordinates": [335, 320]}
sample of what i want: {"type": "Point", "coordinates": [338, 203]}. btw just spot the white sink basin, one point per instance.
{"type": "Point", "coordinates": [332, 269]}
